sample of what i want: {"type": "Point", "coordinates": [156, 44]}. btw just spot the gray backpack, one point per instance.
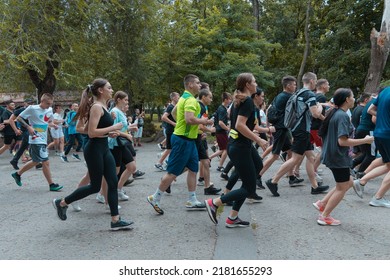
{"type": "Point", "coordinates": [295, 110]}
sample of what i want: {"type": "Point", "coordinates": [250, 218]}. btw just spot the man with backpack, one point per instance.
{"type": "Point", "coordinates": [281, 136]}
{"type": "Point", "coordinates": [300, 108]}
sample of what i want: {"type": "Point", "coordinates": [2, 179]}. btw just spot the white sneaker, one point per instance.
{"type": "Point", "coordinates": [358, 188]}
{"type": "Point", "coordinates": [100, 198]}
{"type": "Point", "coordinates": [195, 205]}
{"type": "Point", "coordinates": [122, 196]}
{"type": "Point", "coordinates": [76, 206]}
{"type": "Point", "coordinates": [381, 202]}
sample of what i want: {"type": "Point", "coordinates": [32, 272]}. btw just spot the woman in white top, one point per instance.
{"type": "Point", "coordinates": [57, 132]}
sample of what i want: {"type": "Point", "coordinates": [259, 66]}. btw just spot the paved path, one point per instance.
{"type": "Point", "coordinates": [281, 227]}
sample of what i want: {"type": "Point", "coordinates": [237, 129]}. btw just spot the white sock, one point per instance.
{"type": "Point", "coordinates": [192, 196]}
{"type": "Point", "coordinates": [157, 195]}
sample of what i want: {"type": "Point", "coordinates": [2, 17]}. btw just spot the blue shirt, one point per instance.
{"type": "Point", "coordinates": [382, 128]}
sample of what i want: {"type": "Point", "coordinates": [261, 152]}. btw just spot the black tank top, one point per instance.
{"type": "Point", "coordinates": [105, 120]}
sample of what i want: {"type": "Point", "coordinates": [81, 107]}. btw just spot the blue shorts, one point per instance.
{"type": "Point", "coordinates": [184, 154]}
{"type": "Point", "coordinates": [383, 146]}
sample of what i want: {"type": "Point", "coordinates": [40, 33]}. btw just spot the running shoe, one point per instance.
{"type": "Point", "coordinates": [295, 182]}
{"type": "Point", "coordinates": [64, 158]}
{"type": "Point", "coordinates": [237, 222]}
{"type": "Point", "coordinates": [138, 174]}
{"type": "Point", "coordinates": [100, 198]}
{"type": "Point", "coordinates": [55, 187]}
{"type": "Point", "coordinates": [320, 189]}
{"type": "Point", "coordinates": [259, 184]}
{"type": "Point", "coordinates": [224, 176]}
{"type": "Point", "coordinates": [254, 198]}
{"type": "Point", "coordinates": [159, 166]}
{"type": "Point", "coordinates": [14, 164]}
{"type": "Point", "coordinates": [272, 187]}
{"type": "Point", "coordinates": [38, 166]}
{"type": "Point", "coordinates": [319, 205]}
{"type": "Point", "coordinates": [380, 202]}
{"type": "Point", "coordinates": [155, 205]}
{"type": "Point", "coordinates": [76, 156]}
{"type": "Point", "coordinates": [128, 181]}
{"type": "Point", "coordinates": [17, 178]}
{"type": "Point", "coordinates": [120, 224]}
{"type": "Point", "coordinates": [122, 196]}
{"type": "Point", "coordinates": [358, 188]}
{"type": "Point", "coordinates": [61, 210]}
{"type": "Point", "coordinates": [327, 221]}
{"type": "Point", "coordinates": [211, 190]}
{"type": "Point", "coordinates": [211, 210]}
{"type": "Point", "coordinates": [76, 206]}
{"type": "Point", "coordinates": [220, 169]}
{"type": "Point", "coordinates": [195, 205]}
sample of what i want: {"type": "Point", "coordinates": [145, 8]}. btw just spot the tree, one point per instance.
{"type": "Point", "coordinates": [380, 45]}
{"type": "Point", "coordinates": [307, 45]}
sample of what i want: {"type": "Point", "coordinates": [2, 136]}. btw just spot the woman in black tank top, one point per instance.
{"type": "Point", "coordinates": [98, 157]}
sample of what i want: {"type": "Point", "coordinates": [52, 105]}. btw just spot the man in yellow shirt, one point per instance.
{"type": "Point", "coordinates": [184, 154]}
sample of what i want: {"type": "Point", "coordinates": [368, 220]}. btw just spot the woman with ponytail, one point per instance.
{"type": "Point", "coordinates": [336, 132]}
{"type": "Point", "coordinates": [241, 151]}
{"type": "Point", "coordinates": [100, 161]}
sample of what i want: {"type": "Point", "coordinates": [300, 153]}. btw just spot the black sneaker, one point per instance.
{"type": "Point", "coordinates": [319, 189]}
{"type": "Point", "coordinates": [255, 198]}
{"type": "Point", "coordinates": [272, 187]}
{"type": "Point", "coordinates": [118, 225]}
{"type": "Point", "coordinates": [61, 210]}
{"type": "Point", "coordinates": [138, 174]}
{"type": "Point", "coordinates": [211, 190]}
{"type": "Point", "coordinates": [38, 166]}
{"type": "Point", "coordinates": [224, 176]}
{"type": "Point", "coordinates": [236, 223]}
{"type": "Point", "coordinates": [360, 175]}
{"type": "Point", "coordinates": [283, 156]}
{"type": "Point", "coordinates": [220, 168]}
{"type": "Point", "coordinates": [128, 181]}
{"type": "Point", "coordinates": [211, 210]}
{"type": "Point", "coordinates": [17, 178]}
{"type": "Point", "coordinates": [295, 182]}
{"type": "Point", "coordinates": [168, 190]}
{"type": "Point", "coordinates": [55, 187]}
{"type": "Point", "coordinates": [14, 164]}
{"type": "Point", "coordinates": [259, 184]}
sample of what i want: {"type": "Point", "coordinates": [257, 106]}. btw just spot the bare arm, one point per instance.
{"type": "Point", "coordinates": [192, 120]}
{"type": "Point", "coordinates": [316, 111]}
{"type": "Point", "coordinates": [96, 113]}
{"type": "Point", "coordinates": [348, 142]}
{"type": "Point", "coordinates": [166, 119]}
{"type": "Point", "coordinates": [372, 110]}
{"type": "Point", "coordinates": [12, 120]}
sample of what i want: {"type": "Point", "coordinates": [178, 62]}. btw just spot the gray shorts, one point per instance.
{"type": "Point", "coordinates": [38, 152]}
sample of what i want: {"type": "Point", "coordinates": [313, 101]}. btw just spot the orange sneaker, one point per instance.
{"type": "Point", "coordinates": [319, 205]}
{"type": "Point", "coordinates": [327, 221]}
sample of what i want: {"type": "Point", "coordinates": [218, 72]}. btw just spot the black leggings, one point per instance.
{"type": "Point", "coordinates": [247, 164]}
{"type": "Point", "coordinates": [100, 163]}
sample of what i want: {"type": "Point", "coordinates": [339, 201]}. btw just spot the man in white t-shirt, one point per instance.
{"type": "Point", "coordinates": [40, 117]}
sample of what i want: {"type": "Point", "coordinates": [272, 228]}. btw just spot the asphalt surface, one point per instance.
{"type": "Point", "coordinates": [282, 228]}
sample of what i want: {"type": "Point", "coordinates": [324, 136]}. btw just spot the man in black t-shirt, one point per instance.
{"type": "Point", "coordinates": [301, 139]}
{"type": "Point", "coordinates": [281, 138]}
{"type": "Point", "coordinates": [8, 132]}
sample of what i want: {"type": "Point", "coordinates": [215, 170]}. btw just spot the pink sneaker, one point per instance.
{"type": "Point", "coordinates": [327, 221]}
{"type": "Point", "coordinates": [319, 205]}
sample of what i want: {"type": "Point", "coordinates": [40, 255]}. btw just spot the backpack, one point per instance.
{"type": "Point", "coordinates": [295, 110]}
{"type": "Point", "coordinates": [273, 114]}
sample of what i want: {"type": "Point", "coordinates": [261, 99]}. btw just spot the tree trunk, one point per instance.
{"type": "Point", "coordinates": [256, 14]}
{"type": "Point", "coordinates": [379, 52]}
{"type": "Point", "coordinates": [48, 83]}
{"type": "Point", "coordinates": [307, 45]}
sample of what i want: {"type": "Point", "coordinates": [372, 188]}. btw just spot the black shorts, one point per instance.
{"type": "Point", "coordinates": [121, 155]}
{"type": "Point", "coordinates": [281, 141]}
{"type": "Point", "coordinates": [168, 144]}
{"type": "Point", "coordinates": [383, 146]}
{"type": "Point", "coordinates": [341, 175]}
{"type": "Point", "coordinates": [8, 138]}
{"type": "Point", "coordinates": [131, 149]}
{"type": "Point", "coordinates": [301, 143]}
{"type": "Point", "coordinates": [201, 145]}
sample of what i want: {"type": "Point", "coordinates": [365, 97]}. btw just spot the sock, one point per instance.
{"type": "Point", "coordinates": [292, 177]}
{"type": "Point", "coordinates": [201, 179]}
{"type": "Point", "coordinates": [157, 195]}
{"type": "Point", "coordinates": [192, 196]}
{"type": "Point", "coordinates": [232, 217]}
